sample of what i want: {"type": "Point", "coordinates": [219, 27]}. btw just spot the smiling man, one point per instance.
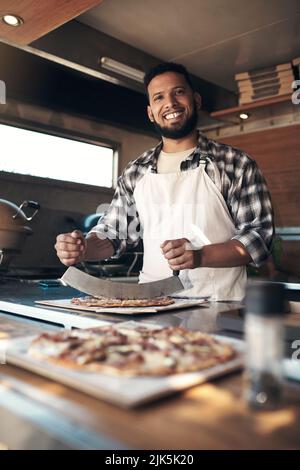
{"type": "Point", "coordinates": [176, 122]}
{"type": "Point", "coordinates": [200, 206]}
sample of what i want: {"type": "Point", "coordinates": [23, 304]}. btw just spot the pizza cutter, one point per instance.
{"type": "Point", "coordinates": [121, 290]}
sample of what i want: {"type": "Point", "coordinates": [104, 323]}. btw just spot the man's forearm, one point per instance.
{"type": "Point", "coordinates": [223, 255]}
{"type": "Point", "coordinates": [98, 249]}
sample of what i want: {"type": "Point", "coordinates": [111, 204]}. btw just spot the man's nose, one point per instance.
{"type": "Point", "coordinates": [171, 100]}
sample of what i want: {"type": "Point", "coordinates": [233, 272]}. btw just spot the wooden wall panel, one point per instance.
{"type": "Point", "coordinates": [277, 152]}
{"type": "Point", "coordinates": [39, 17]}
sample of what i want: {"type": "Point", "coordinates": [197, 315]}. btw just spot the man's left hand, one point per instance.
{"type": "Point", "coordinates": [179, 254]}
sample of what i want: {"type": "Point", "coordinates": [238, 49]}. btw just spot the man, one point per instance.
{"type": "Point", "coordinates": [201, 207]}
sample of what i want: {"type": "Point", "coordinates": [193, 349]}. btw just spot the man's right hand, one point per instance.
{"type": "Point", "coordinates": [70, 247]}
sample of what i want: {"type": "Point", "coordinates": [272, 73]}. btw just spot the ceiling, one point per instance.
{"type": "Point", "coordinates": [214, 39]}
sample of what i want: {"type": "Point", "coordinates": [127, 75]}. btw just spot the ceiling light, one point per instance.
{"type": "Point", "coordinates": [122, 69]}
{"type": "Point", "coordinates": [12, 20]}
{"type": "Point", "coordinates": [244, 116]}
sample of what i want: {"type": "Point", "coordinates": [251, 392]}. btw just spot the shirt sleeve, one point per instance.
{"type": "Point", "coordinates": [252, 212]}
{"type": "Point", "coordinates": [120, 222]}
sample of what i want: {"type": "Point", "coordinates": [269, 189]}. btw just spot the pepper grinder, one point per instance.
{"type": "Point", "coordinates": [264, 333]}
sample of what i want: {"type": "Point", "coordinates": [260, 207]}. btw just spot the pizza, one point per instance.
{"type": "Point", "coordinates": [103, 302]}
{"type": "Point", "coordinates": [138, 351]}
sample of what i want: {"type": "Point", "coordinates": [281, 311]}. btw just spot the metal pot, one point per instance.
{"type": "Point", "coordinates": [13, 228]}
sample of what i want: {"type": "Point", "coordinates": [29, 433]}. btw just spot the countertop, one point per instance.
{"type": "Point", "coordinates": [213, 415]}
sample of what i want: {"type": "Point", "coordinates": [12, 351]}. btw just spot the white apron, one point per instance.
{"type": "Point", "coordinates": [168, 205]}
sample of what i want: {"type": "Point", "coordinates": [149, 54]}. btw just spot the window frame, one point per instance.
{"type": "Point", "coordinates": [67, 134]}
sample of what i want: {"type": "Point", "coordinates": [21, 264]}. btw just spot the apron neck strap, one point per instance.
{"type": "Point", "coordinates": [203, 160]}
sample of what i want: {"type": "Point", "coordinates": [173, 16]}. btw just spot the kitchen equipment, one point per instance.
{"type": "Point", "coordinates": [120, 290]}
{"type": "Point", "coordinates": [13, 228]}
{"type": "Point", "coordinates": [128, 264]}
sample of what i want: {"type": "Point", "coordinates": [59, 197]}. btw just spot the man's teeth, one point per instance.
{"type": "Point", "coordinates": [173, 115]}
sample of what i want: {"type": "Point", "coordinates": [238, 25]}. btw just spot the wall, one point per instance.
{"type": "Point", "coordinates": [62, 203]}
{"type": "Point", "coordinates": [277, 152]}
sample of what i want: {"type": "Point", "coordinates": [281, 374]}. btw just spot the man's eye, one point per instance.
{"type": "Point", "coordinates": [157, 98]}
{"type": "Point", "coordinates": [179, 92]}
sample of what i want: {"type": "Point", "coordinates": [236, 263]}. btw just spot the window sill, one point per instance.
{"type": "Point", "coordinates": [67, 185]}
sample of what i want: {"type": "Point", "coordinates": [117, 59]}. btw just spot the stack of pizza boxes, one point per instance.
{"type": "Point", "coordinates": [265, 83]}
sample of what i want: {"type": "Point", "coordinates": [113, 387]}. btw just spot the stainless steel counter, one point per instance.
{"type": "Point", "coordinates": [215, 317]}
{"type": "Point", "coordinates": [50, 415]}
{"type": "Point", "coordinates": [21, 296]}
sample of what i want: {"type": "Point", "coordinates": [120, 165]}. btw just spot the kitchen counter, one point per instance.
{"type": "Point", "coordinates": [213, 415]}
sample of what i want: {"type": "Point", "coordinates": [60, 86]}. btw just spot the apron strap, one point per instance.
{"type": "Point", "coordinates": [204, 159]}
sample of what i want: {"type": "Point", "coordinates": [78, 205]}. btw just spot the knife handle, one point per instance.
{"type": "Point", "coordinates": [176, 273]}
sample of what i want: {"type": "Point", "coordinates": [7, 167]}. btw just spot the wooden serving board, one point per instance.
{"type": "Point", "coordinates": [124, 392]}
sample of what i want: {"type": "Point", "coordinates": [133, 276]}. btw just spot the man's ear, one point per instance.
{"type": "Point", "coordinates": [198, 100]}
{"type": "Point", "coordinates": [150, 114]}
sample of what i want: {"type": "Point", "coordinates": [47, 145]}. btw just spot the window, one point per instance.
{"type": "Point", "coordinates": [48, 156]}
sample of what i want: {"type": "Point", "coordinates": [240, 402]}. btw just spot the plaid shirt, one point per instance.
{"type": "Point", "coordinates": [242, 186]}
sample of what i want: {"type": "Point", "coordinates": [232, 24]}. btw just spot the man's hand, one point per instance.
{"type": "Point", "coordinates": [70, 247]}
{"type": "Point", "coordinates": [218, 255]}
{"type": "Point", "coordinates": [179, 255]}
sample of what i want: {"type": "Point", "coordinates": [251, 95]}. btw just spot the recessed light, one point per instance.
{"type": "Point", "coordinates": [244, 116]}
{"type": "Point", "coordinates": [12, 20]}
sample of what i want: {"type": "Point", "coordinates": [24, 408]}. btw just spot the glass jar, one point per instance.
{"type": "Point", "coordinates": [264, 334]}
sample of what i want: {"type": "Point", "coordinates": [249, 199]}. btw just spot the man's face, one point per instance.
{"type": "Point", "coordinates": [173, 105]}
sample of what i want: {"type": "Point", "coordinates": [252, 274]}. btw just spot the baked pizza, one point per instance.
{"type": "Point", "coordinates": [139, 351]}
{"type": "Point", "coordinates": [103, 302]}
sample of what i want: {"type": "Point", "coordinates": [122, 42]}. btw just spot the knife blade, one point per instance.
{"type": "Point", "coordinates": [120, 290]}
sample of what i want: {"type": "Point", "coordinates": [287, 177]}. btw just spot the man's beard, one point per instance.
{"type": "Point", "coordinates": [178, 133]}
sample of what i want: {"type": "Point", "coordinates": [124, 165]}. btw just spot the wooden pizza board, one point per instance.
{"type": "Point", "coordinates": [178, 304]}
{"type": "Point", "coordinates": [122, 391]}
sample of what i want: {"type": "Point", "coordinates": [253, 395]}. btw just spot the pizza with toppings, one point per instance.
{"type": "Point", "coordinates": [102, 302]}
{"type": "Point", "coordinates": [139, 351]}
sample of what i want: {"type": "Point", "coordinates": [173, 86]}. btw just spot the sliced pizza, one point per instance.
{"type": "Point", "coordinates": [102, 302]}
{"type": "Point", "coordinates": [138, 351]}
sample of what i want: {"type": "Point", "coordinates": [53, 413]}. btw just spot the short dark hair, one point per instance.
{"type": "Point", "coordinates": [166, 67]}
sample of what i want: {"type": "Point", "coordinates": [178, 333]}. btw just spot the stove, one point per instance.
{"type": "Point", "coordinates": [31, 273]}
{"type": "Point", "coordinates": [18, 296]}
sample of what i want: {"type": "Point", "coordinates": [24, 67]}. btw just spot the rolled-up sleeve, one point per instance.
{"type": "Point", "coordinates": [118, 220]}
{"type": "Point", "coordinates": [252, 212]}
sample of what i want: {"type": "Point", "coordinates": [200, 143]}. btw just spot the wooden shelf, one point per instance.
{"type": "Point", "coordinates": [254, 105]}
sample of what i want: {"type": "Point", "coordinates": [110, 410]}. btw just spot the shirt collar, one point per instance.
{"type": "Point", "coordinates": [202, 150]}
